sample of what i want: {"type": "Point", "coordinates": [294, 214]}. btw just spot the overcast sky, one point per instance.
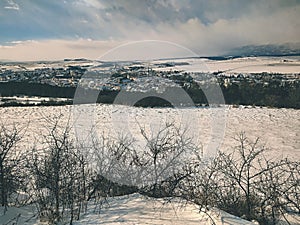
{"type": "Point", "coordinates": [57, 29]}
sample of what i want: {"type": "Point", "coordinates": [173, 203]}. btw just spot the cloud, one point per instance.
{"type": "Point", "coordinates": [90, 3]}
{"type": "Point", "coordinates": [206, 27]}
{"type": "Point", "coordinates": [12, 5]}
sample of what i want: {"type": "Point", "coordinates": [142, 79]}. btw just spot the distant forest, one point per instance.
{"type": "Point", "coordinates": [243, 93]}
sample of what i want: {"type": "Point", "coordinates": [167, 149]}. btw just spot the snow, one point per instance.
{"type": "Point", "coordinates": [278, 129]}
{"type": "Point", "coordinates": [257, 65]}
{"type": "Point", "coordinates": [133, 209]}
{"type": "Point", "coordinates": [30, 100]}
{"type": "Point", "coordinates": [283, 64]}
{"type": "Point", "coordinates": [30, 66]}
{"type": "Point", "coordinates": [23, 215]}
{"type": "Point", "coordinates": [238, 65]}
{"type": "Point", "coordinates": [138, 209]}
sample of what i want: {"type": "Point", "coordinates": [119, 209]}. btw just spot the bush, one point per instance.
{"type": "Point", "coordinates": [246, 184]}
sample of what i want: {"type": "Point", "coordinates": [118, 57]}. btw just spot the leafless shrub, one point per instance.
{"type": "Point", "coordinates": [245, 183]}
{"type": "Point", "coordinates": [156, 167]}
{"type": "Point", "coordinates": [12, 172]}
{"type": "Point", "coordinates": [59, 175]}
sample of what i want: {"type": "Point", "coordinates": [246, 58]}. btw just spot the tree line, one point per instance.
{"type": "Point", "coordinates": [270, 92]}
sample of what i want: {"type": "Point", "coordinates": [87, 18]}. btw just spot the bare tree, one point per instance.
{"type": "Point", "coordinates": [165, 155]}
{"type": "Point", "coordinates": [115, 172]}
{"type": "Point", "coordinates": [60, 173]}
{"type": "Point", "coordinates": [11, 171]}
{"type": "Point", "coordinates": [155, 165]}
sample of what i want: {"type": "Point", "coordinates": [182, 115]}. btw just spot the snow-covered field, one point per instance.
{"type": "Point", "coordinates": [283, 64]}
{"type": "Point", "coordinates": [238, 65]}
{"type": "Point", "coordinates": [278, 129]}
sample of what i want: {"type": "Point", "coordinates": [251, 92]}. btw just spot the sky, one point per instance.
{"type": "Point", "coordinates": [58, 29]}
